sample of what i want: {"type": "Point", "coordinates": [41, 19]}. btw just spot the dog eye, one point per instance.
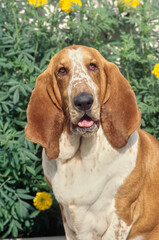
{"type": "Point", "coordinates": [92, 67]}
{"type": "Point", "coordinates": [62, 72]}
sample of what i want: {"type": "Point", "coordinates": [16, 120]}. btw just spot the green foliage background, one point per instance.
{"type": "Point", "coordinates": [29, 37]}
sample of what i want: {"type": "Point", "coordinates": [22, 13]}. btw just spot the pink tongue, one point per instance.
{"type": "Point", "coordinates": [85, 123]}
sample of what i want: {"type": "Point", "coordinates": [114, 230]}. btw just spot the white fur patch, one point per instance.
{"type": "Point", "coordinates": [85, 178]}
{"type": "Point", "coordinates": [79, 73]}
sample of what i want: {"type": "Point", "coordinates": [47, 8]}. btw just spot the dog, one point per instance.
{"type": "Point", "coordinates": [103, 169]}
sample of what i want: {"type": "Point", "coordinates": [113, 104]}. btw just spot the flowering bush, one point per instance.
{"type": "Point", "coordinates": [37, 3]}
{"type": "Point", "coordinates": [129, 3]}
{"type": "Point", "coordinates": [67, 5]}
{"type": "Point", "coordinates": [31, 32]}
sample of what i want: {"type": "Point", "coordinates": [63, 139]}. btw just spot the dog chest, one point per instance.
{"type": "Point", "coordinates": [86, 185]}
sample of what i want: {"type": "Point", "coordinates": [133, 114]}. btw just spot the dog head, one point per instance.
{"type": "Point", "coordinates": [77, 92]}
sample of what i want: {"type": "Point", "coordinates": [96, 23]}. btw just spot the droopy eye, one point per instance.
{"type": "Point", "coordinates": [62, 72]}
{"type": "Point", "coordinates": [92, 67]}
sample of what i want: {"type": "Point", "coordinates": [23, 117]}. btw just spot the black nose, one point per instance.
{"type": "Point", "coordinates": [83, 101]}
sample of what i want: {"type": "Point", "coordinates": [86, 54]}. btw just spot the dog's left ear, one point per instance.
{"type": "Point", "coordinates": [120, 115]}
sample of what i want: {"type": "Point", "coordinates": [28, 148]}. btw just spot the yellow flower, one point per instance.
{"type": "Point", "coordinates": [134, 3]}
{"type": "Point", "coordinates": [129, 3]}
{"type": "Point", "coordinates": [42, 201]}
{"type": "Point", "coordinates": [156, 70]}
{"type": "Point", "coordinates": [66, 5]}
{"type": "Point", "coordinates": [37, 3]}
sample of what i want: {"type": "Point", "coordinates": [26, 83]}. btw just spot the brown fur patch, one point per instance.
{"type": "Point", "coordinates": [45, 120]}
{"type": "Point", "coordinates": [120, 115]}
{"type": "Point", "coordinates": [138, 198]}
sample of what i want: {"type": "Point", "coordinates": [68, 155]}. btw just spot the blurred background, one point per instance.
{"type": "Point", "coordinates": [125, 32]}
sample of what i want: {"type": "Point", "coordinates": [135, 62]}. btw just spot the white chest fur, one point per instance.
{"type": "Point", "coordinates": [85, 179]}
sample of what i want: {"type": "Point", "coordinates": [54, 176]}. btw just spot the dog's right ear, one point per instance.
{"type": "Point", "coordinates": [45, 116]}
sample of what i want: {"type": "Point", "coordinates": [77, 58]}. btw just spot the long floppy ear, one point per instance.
{"type": "Point", "coordinates": [45, 118]}
{"type": "Point", "coordinates": [120, 115]}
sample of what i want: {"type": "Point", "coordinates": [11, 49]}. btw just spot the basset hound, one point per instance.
{"type": "Point", "coordinates": [103, 169]}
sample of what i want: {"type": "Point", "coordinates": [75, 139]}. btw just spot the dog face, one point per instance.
{"type": "Point", "coordinates": [78, 74]}
{"type": "Point", "coordinates": [81, 90]}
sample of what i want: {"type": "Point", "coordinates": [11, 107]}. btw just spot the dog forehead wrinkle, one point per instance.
{"type": "Point", "coordinates": [79, 72]}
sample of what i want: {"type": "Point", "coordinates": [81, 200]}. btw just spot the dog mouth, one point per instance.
{"type": "Point", "coordinates": [85, 126]}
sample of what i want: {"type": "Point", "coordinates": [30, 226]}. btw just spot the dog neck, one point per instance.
{"type": "Point", "coordinates": [72, 145]}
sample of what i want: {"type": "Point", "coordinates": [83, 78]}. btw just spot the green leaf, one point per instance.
{"type": "Point", "coordinates": [6, 197]}
{"type": "Point", "coordinates": [9, 189]}
{"type": "Point", "coordinates": [27, 223]}
{"type": "Point", "coordinates": [21, 190]}
{"type": "Point", "coordinates": [2, 203]}
{"type": "Point", "coordinates": [22, 89]}
{"type": "Point", "coordinates": [29, 154]}
{"type": "Point", "coordinates": [16, 96]}
{"type": "Point", "coordinates": [34, 214]}
{"type": "Point", "coordinates": [38, 169]}
{"type": "Point", "coordinates": [21, 209]}
{"type": "Point", "coordinates": [7, 172]}
{"type": "Point", "coordinates": [18, 225]}
{"type": "Point", "coordinates": [31, 170]}
{"type": "Point", "coordinates": [5, 107]}
{"type": "Point", "coordinates": [14, 230]}
{"type": "Point", "coordinates": [25, 196]}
